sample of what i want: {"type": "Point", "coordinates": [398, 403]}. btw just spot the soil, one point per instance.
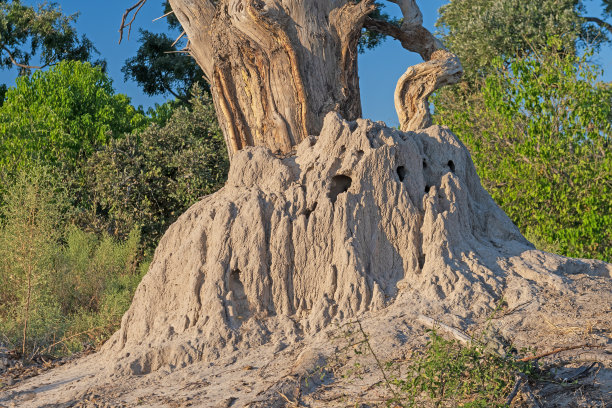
{"type": "Point", "coordinates": [254, 294]}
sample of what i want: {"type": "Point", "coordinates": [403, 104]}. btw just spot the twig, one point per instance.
{"type": "Point", "coordinates": [432, 324]}
{"type": "Point", "coordinates": [380, 366]}
{"type": "Point", "coordinates": [583, 372]}
{"type": "Point", "coordinates": [515, 390]}
{"type": "Point", "coordinates": [64, 340]}
{"type": "Point", "coordinates": [514, 309]}
{"type": "Point", "coordinates": [179, 38]}
{"type": "Point", "coordinates": [286, 398]}
{"type": "Point", "coordinates": [165, 15]}
{"type": "Point", "coordinates": [136, 6]}
{"type": "Point", "coordinates": [555, 351]}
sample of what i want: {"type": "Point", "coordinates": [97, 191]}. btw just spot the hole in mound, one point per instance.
{"type": "Point", "coordinates": [339, 184]}
{"type": "Point", "coordinates": [239, 298]}
{"type": "Point", "coordinates": [309, 211]}
{"type": "Point", "coordinates": [342, 149]}
{"type": "Point", "coordinates": [421, 261]}
{"type": "Point", "coordinates": [427, 188]}
{"type": "Point", "coordinates": [451, 165]}
{"type": "Point", "coordinates": [402, 173]}
{"type": "Point", "coordinates": [424, 164]}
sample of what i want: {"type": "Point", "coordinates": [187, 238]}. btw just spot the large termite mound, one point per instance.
{"type": "Point", "coordinates": [359, 218]}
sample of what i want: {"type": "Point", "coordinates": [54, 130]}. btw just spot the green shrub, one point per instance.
{"type": "Point", "coordinates": [99, 276]}
{"type": "Point", "coordinates": [539, 132]}
{"type": "Point", "coordinates": [151, 178]}
{"type": "Point", "coordinates": [59, 286]}
{"type": "Point", "coordinates": [31, 219]}
{"type": "Point", "coordinates": [450, 375]}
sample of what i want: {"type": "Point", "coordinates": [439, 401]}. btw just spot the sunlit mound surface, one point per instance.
{"type": "Point", "coordinates": [364, 221]}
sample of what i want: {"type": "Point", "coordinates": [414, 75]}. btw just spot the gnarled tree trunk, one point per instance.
{"type": "Point", "coordinates": [276, 67]}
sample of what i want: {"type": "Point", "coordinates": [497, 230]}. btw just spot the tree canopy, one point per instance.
{"type": "Point", "coordinates": [44, 32]}
{"type": "Point", "coordinates": [480, 30]}
{"type": "Point", "coordinates": [37, 37]}
{"type": "Point", "coordinates": [61, 115]}
{"type": "Point", "coordinates": [160, 66]}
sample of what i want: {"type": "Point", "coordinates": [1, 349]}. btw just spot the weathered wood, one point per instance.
{"type": "Point", "coordinates": [440, 68]}
{"type": "Point", "coordinates": [418, 83]}
{"type": "Point", "coordinates": [276, 67]}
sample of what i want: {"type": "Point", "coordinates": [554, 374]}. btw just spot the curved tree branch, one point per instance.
{"type": "Point", "coordinates": [24, 66]}
{"type": "Point", "coordinates": [413, 38]}
{"type": "Point", "coordinates": [440, 68]}
{"type": "Point", "coordinates": [418, 83]}
{"type": "Point", "coordinates": [599, 22]}
{"type": "Point", "coordinates": [411, 13]}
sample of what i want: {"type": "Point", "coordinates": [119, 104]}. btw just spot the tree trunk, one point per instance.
{"type": "Point", "coordinates": [276, 68]}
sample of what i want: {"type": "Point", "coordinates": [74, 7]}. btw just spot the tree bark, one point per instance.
{"type": "Point", "coordinates": [276, 68]}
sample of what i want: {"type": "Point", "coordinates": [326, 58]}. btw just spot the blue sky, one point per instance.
{"type": "Point", "coordinates": [379, 69]}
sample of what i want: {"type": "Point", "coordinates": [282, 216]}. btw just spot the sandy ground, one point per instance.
{"type": "Point", "coordinates": [325, 371]}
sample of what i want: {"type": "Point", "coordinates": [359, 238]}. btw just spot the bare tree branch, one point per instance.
{"type": "Point", "coordinates": [137, 7]}
{"type": "Point", "coordinates": [165, 15]}
{"type": "Point", "coordinates": [24, 66]}
{"type": "Point", "coordinates": [179, 38]}
{"type": "Point", "coordinates": [416, 39]}
{"type": "Point", "coordinates": [418, 83]}
{"type": "Point", "coordinates": [599, 22]}
{"type": "Point", "coordinates": [440, 68]}
{"type": "Point", "coordinates": [411, 12]}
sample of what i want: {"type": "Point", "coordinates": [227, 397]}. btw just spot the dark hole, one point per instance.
{"type": "Point", "coordinates": [402, 173]}
{"type": "Point", "coordinates": [339, 184]}
{"type": "Point", "coordinates": [421, 261]}
{"type": "Point", "coordinates": [309, 211]}
{"type": "Point", "coordinates": [427, 188]}
{"type": "Point", "coordinates": [451, 164]}
{"type": "Point", "coordinates": [342, 149]}
{"type": "Point", "coordinates": [424, 164]}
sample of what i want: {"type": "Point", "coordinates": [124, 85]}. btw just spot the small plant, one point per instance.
{"type": "Point", "coordinates": [449, 374]}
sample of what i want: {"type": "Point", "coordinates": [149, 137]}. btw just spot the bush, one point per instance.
{"type": "Point", "coordinates": [149, 179]}
{"type": "Point", "coordinates": [96, 277]}
{"type": "Point", "coordinates": [451, 375]}
{"type": "Point", "coordinates": [60, 286]}
{"type": "Point", "coordinates": [539, 132]}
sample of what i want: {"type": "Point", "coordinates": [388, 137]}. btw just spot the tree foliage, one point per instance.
{"type": "Point", "coordinates": [160, 68]}
{"type": "Point", "coordinates": [60, 116]}
{"type": "Point", "coordinates": [28, 233]}
{"type": "Point", "coordinates": [60, 286]}
{"type": "Point", "coordinates": [45, 32]}
{"type": "Point", "coordinates": [150, 178]}
{"type": "Point", "coordinates": [540, 132]}
{"type": "Point", "coordinates": [480, 30]}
